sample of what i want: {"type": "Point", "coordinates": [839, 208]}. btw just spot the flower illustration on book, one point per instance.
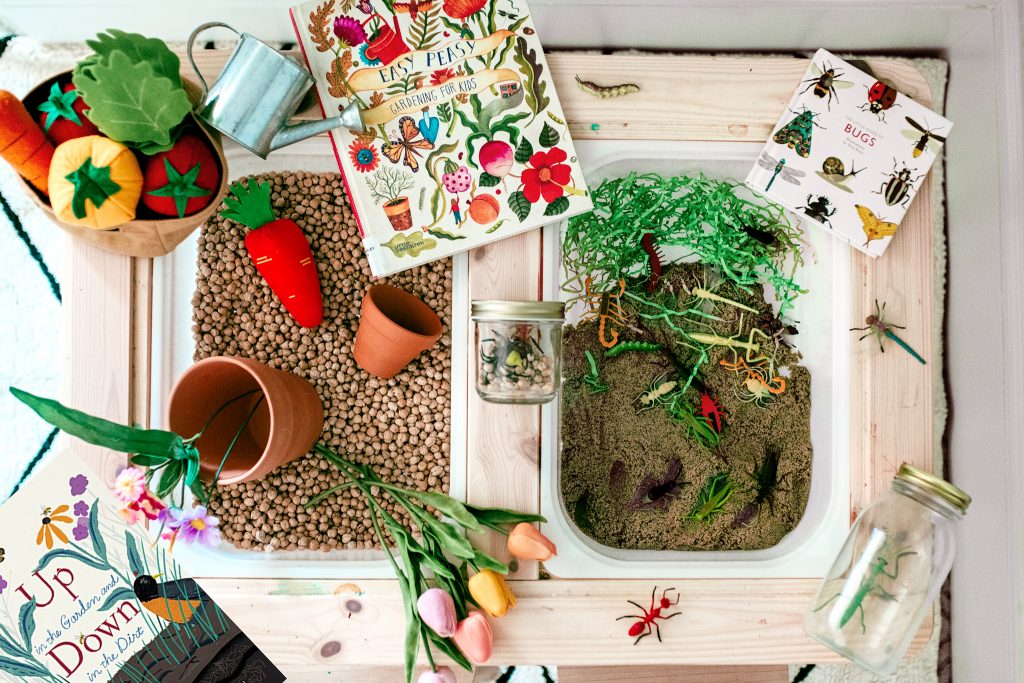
{"type": "Point", "coordinates": [364, 157]}
{"type": "Point", "coordinates": [78, 484]}
{"type": "Point", "coordinates": [3, 584]}
{"type": "Point", "coordinates": [461, 9]}
{"type": "Point", "coordinates": [546, 176]}
{"type": "Point", "coordinates": [366, 59]}
{"type": "Point", "coordinates": [81, 509]}
{"type": "Point", "coordinates": [349, 31]}
{"type": "Point", "coordinates": [81, 530]}
{"type": "Point", "coordinates": [49, 528]}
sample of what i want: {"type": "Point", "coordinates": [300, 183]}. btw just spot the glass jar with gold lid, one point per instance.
{"type": "Point", "coordinates": [518, 350]}
{"type": "Point", "coordinates": [889, 571]}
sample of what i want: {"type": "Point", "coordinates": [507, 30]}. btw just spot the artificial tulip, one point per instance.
{"type": "Point", "coordinates": [437, 610]}
{"type": "Point", "coordinates": [491, 592]}
{"type": "Point", "coordinates": [474, 638]}
{"type": "Point", "coordinates": [442, 675]}
{"type": "Point", "coordinates": [527, 543]}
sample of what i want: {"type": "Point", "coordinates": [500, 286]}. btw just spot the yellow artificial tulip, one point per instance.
{"type": "Point", "coordinates": [491, 592]}
{"type": "Point", "coordinates": [527, 543]}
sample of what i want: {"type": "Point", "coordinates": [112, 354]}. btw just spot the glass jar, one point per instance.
{"type": "Point", "coordinates": [518, 350]}
{"type": "Point", "coordinates": [890, 569]}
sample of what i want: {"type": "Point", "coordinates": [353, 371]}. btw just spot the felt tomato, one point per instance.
{"type": "Point", "coordinates": [94, 182]}
{"type": "Point", "coordinates": [63, 115]}
{"type": "Point", "coordinates": [182, 180]}
{"type": "Point", "coordinates": [280, 250]}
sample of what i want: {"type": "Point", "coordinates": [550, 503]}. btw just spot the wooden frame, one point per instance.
{"type": "Point", "coordinates": [567, 622]}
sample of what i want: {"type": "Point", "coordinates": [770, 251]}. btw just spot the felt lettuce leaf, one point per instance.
{"type": "Point", "coordinates": [138, 48]}
{"type": "Point", "coordinates": [131, 103]}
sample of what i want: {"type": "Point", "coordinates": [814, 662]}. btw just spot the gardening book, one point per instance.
{"type": "Point", "coordinates": [86, 596]}
{"type": "Point", "coordinates": [465, 140]}
{"type": "Point", "coordinates": [849, 153]}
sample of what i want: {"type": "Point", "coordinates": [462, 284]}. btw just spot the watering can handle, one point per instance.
{"type": "Point", "coordinates": [192, 39]}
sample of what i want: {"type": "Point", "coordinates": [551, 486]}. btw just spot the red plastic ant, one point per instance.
{"type": "Point", "coordinates": [650, 616]}
{"type": "Point", "coordinates": [711, 411]}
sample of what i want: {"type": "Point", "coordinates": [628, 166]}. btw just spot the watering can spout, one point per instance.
{"type": "Point", "coordinates": [351, 117]}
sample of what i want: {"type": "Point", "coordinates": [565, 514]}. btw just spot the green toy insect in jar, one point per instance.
{"type": "Point", "coordinates": [892, 565]}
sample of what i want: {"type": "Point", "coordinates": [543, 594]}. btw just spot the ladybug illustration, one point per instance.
{"type": "Point", "coordinates": [880, 98]}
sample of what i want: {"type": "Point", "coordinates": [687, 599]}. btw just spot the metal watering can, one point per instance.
{"type": "Point", "coordinates": [256, 94]}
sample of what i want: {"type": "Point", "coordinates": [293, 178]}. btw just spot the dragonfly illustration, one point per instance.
{"type": "Point", "coordinates": [790, 175]}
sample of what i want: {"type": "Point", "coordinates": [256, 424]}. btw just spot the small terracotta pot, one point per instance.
{"type": "Point", "coordinates": [284, 426]}
{"type": "Point", "coordinates": [394, 328]}
{"type": "Point", "coordinates": [399, 213]}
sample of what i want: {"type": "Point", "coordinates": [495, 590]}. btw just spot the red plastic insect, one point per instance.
{"type": "Point", "coordinates": [654, 259]}
{"type": "Point", "coordinates": [711, 412]}
{"type": "Point", "coordinates": [650, 616]}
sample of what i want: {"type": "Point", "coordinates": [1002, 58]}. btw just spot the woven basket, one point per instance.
{"type": "Point", "coordinates": [148, 234]}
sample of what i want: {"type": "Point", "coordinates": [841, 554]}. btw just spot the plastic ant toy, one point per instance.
{"type": "Point", "coordinates": [650, 616]}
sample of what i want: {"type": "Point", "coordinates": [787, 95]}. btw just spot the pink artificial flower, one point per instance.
{"type": "Point", "coordinates": [437, 610]}
{"type": "Point", "coordinates": [193, 525]}
{"type": "Point", "coordinates": [130, 484]}
{"type": "Point", "coordinates": [128, 515]}
{"type": "Point", "coordinates": [442, 675]}
{"type": "Point", "coordinates": [349, 31]}
{"type": "Point", "coordinates": [148, 505]}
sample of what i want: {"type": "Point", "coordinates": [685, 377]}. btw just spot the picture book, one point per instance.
{"type": "Point", "coordinates": [85, 595]}
{"type": "Point", "coordinates": [849, 153]}
{"type": "Point", "coordinates": [465, 140]}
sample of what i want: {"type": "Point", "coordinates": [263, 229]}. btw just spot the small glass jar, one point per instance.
{"type": "Point", "coordinates": [518, 350]}
{"type": "Point", "coordinates": [886, 577]}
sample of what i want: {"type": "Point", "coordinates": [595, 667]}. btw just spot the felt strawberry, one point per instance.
{"type": "Point", "coordinates": [456, 180]}
{"type": "Point", "coordinates": [182, 180]}
{"type": "Point", "coordinates": [63, 115]}
{"type": "Point", "coordinates": [280, 250]}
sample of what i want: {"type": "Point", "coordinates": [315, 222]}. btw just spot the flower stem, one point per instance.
{"type": "Point", "coordinates": [217, 412]}
{"type": "Point", "coordinates": [238, 434]}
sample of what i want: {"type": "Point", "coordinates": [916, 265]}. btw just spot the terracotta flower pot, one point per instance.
{"type": "Point", "coordinates": [285, 424]}
{"type": "Point", "coordinates": [394, 328]}
{"type": "Point", "coordinates": [399, 213]}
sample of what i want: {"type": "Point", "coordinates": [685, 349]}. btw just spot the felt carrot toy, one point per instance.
{"type": "Point", "coordinates": [22, 143]}
{"type": "Point", "coordinates": [280, 250]}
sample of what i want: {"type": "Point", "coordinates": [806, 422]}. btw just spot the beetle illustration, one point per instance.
{"type": "Point", "coordinates": [833, 171]}
{"type": "Point", "coordinates": [925, 137]}
{"type": "Point", "coordinates": [825, 82]}
{"type": "Point", "coordinates": [818, 209]}
{"type": "Point", "coordinates": [797, 133]}
{"type": "Point", "coordinates": [881, 97]}
{"type": "Point", "coordinates": [897, 187]}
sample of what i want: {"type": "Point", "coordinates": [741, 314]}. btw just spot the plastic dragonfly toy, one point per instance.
{"type": "Point", "coordinates": [881, 329]}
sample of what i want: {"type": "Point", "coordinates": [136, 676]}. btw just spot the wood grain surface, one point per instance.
{"type": "Point", "coordinates": [566, 622]}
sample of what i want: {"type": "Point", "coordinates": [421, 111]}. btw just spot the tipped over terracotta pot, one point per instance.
{"type": "Point", "coordinates": [272, 416]}
{"type": "Point", "coordinates": [394, 328]}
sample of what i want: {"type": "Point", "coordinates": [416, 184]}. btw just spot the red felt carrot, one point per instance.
{"type": "Point", "coordinates": [280, 250]}
{"type": "Point", "coordinates": [22, 143]}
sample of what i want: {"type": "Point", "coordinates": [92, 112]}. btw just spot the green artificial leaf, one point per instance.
{"type": "Point", "coordinates": [556, 207]}
{"type": "Point", "coordinates": [191, 471]}
{"type": "Point", "coordinates": [138, 48]}
{"type": "Point", "coordinates": [180, 186]}
{"type": "Point", "coordinates": [484, 561]}
{"type": "Point", "coordinates": [100, 432]}
{"type": "Point", "coordinates": [99, 545]}
{"type": "Point", "coordinates": [27, 622]}
{"type": "Point", "coordinates": [196, 487]}
{"type": "Point", "coordinates": [412, 620]}
{"type": "Point", "coordinates": [134, 560]}
{"type": "Point", "coordinates": [441, 502]}
{"type": "Point", "coordinates": [24, 669]}
{"type": "Point", "coordinates": [524, 151]}
{"type": "Point", "coordinates": [91, 183]}
{"type": "Point", "coordinates": [146, 460]}
{"type": "Point", "coordinates": [448, 647]}
{"type": "Point", "coordinates": [448, 538]}
{"type": "Point", "coordinates": [170, 477]}
{"type": "Point", "coordinates": [129, 102]}
{"type": "Point", "coordinates": [495, 517]}
{"type": "Point", "coordinates": [60, 105]}
{"type": "Point", "coordinates": [549, 137]}
{"type": "Point", "coordinates": [249, 204]}
{"type": "Point", "coordinates": [488, 180]}
{"type": "Point", "coordinates": [520, 205]}
{"type": "Point", "coordinates": [116, 596]}
{"type": "Point", "coordinates": [67, 553]}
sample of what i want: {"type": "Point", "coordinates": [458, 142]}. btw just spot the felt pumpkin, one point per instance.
{"type": "Point", "coordinates": [182, 180]}
{"type": "Point", "coordinates": [94, 182]}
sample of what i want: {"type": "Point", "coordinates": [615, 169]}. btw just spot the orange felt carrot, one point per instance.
{"type": "Point", "coordinates": [22, 142]}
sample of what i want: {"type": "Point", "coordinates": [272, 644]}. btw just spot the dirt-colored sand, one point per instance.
{"type": "Point", "coordinates": [600, 429]}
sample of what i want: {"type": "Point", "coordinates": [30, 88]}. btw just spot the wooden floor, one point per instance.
{"type": "Point", "coordinates": [569, 623]}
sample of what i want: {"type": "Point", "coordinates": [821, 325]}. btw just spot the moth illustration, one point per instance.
{"type": "Point", "coordinates": [797, 133]}
{"type": "Point", "coordinates": [874, 227]}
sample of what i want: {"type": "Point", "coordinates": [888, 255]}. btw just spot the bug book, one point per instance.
{"type": "Point", "coordinates": [459, 108]}
{"type": "Point", "coordinates": [849, 153]}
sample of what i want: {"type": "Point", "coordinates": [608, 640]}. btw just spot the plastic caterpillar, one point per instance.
{"type": "Point", "coordinates": [606, 91]}
{"type": "Point", "coordinates": [653, 259]}
{"type": "Point", "coordinates": [623, 347]}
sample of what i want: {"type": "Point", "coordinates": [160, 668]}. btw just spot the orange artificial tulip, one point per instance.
{"type": "Point", "coordinates": [491, 592]}
{"type": "Point", "coordinates": [527, 543]}
{"type": "Point", "coordinates": [474, 638]}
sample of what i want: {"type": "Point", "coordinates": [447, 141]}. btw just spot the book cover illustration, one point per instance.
{"type": "Point", "coordinates": [85, 596]}
{"type": "Point", "coordinates": [849, 153]}
{"type": "Point", "coordinates": [466, 141]}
